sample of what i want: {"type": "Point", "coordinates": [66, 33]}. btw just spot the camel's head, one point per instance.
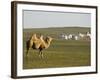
{"type": "Point", "coordinates": [49, 39]}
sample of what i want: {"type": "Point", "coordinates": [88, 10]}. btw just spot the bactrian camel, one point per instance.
{"type": "Point", "coordinates": [38, 43]}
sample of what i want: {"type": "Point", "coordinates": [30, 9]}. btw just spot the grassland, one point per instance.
{"type": "Point", "coordinates": [61, 53]}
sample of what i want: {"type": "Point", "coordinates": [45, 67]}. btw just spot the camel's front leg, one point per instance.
{"type": "Point", "coordinates": [41, 53]}
{"type": "Point", "coordinates": [27, 51]}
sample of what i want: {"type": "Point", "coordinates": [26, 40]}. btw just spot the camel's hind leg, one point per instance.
{"type": "Point", "coordinates": [27, 47]}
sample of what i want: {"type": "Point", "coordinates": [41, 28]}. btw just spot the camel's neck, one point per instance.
{"type": "Point", "coordinates": [47, 43]}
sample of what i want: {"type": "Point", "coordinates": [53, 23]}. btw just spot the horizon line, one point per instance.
{"type": "Point", "coordinates": [60, 27]}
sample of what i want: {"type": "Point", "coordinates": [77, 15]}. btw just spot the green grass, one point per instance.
{"type": "Point", "coordinates": [61, 53]}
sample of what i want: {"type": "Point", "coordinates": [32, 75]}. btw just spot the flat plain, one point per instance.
{"type": "Point", "coordinates": [61, 53]}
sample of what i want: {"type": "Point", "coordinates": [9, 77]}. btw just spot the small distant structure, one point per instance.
{"type": "Point", "coordinates": [62, 36]}
{"type": "Point", "coordinates": [66, 37]}
{"type": "Point", "coordinates": [76, 37]}
{"type": "Point", "coordinates": [79, 36]}
{"type": "Point", "coordinates": [70, 36]}
{"type": "Point", "coordinates": [89, 35]}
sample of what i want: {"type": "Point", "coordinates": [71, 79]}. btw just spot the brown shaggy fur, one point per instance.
{"type": "Point", "coordinates": [38, 43]}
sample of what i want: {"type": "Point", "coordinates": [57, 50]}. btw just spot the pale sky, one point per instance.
{"type": "Point", "coordinates": [44, 19]}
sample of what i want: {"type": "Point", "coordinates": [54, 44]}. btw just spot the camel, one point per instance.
{"type": "Point", "coordinates": [38, 43]}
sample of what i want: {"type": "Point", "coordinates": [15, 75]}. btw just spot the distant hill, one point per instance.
{"type": "Point", "coordinates": [56, 31]}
